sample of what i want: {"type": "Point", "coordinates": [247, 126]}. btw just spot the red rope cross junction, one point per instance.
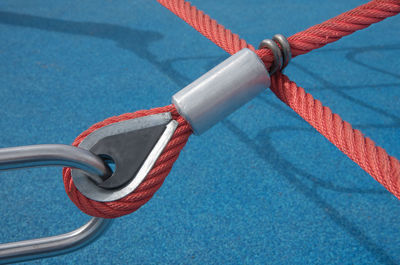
{"type": "Point", "coordinates": [362, 150]}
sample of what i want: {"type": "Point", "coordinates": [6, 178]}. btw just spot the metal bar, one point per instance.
{"type": "Point", "coordinates": [54, 155]}
{"type": "Point", "coordinates": [53, 245]}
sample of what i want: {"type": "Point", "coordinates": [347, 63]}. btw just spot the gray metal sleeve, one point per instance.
{"type": "Point", "coordinates": [222, 90]}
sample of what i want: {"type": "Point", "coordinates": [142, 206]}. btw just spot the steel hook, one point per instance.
{"type": "Point", "coordinates": [50, 155]}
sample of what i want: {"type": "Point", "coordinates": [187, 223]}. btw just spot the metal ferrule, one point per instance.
{"type": "Point", "coordinates": [222, 90]}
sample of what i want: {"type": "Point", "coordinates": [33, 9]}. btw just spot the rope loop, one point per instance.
{"type": "Point", "coordinates": [363, 151]}
{"type": "Point", "coordinates": [373, 159]}
{"type": "Point", "coordinates": [153, 180]}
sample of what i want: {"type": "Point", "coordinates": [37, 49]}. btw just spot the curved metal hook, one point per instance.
{"type": "Point", "coordinates": [54, 155]}
{"type": "Point", "coordinates": [50, 155]}
{"type": "Point", "coordinates": [53, 245]}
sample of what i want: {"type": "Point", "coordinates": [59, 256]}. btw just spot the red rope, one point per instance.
{"type": "Point", "coordinates": [334, 29]}
{"type": "Point", "coordinates": [207, 26]}
{"type": "Point", "coordinates": [300, 43]}
{"type": "Point", "coordinates": [362, 150]}
{"type": "Point", "coordinates": [151, 183]}
{"type": "Point", "coordinates": [374, 160]}
{"type": "Point", "coordinates": [384, 168]}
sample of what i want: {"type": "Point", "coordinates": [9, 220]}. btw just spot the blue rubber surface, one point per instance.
{"type": "Point", "coordinates": [261, 187]}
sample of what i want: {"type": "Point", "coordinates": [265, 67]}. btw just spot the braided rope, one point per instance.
{"type": "Point", "coordinates": [384, 168]}
{"type": "Point", "coordinates": [345, 24]}
{"type": "Point", "coordinates": [362, 150]}
{"type": "Point", "coordinates": [374, 160]}
{"type": "Point", "coordinates": [334, 29]}
{"type": "Point", "coordinates": [207, 26]}
{"type": "Point", "coordinates": [151, 183]}
{"type": "Point", "coordinates": [300, 43]}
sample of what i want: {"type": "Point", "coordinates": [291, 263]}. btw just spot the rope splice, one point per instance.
{"type": "Point", "coordinates": [141, 146]}
{"type": "Point", "coordinates": [359, 148]}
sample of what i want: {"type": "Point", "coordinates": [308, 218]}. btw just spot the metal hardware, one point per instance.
{"type": "Point", "coordinates": [276, 52]}
{"type": "Point", "coordinates": [53, 245]}
{"type": "Point", "coordinates": [282, 54]}
{"type": "Point", "coordinates": [54, 155]}
{"type": "Point", "coordinates": [51, 155]}
{"type": "Point", "coordinates": [286, 50]}
{"type": "Point", "coordinates": [222, 90]}
{"type": "Point", "coordinates": [134, 145]}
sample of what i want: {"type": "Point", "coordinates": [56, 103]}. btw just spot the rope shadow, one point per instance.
{"type": "Point", "coordinates": [133, 40]}
{"type": "Point", "coordinates": [353, 51]}
{"type": "Point", "coordinates": [351, 56]}
{"type": "Point", "coordinates": [358, 101]}
{"type": "Point", "coordinates": [269, 154]}
{"type": "Point", "coordinates": [318, 182]}
{"type": "Point", "coordinates": [289, 112]}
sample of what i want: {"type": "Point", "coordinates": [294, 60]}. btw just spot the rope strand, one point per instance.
{"type": "Point", "coordinates": [303, 42]}
{"type": "Point", "coordinates": [151, 183]}
{"type": "Point", "coordinates": [363, 151]}
{"type": "Point", "coordinates": [207, 26]}
{"type": "Point", "coordinates": [373, 159]}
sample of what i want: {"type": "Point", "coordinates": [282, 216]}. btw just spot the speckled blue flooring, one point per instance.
{"type": "Point", "coordinates": [261, 187]}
